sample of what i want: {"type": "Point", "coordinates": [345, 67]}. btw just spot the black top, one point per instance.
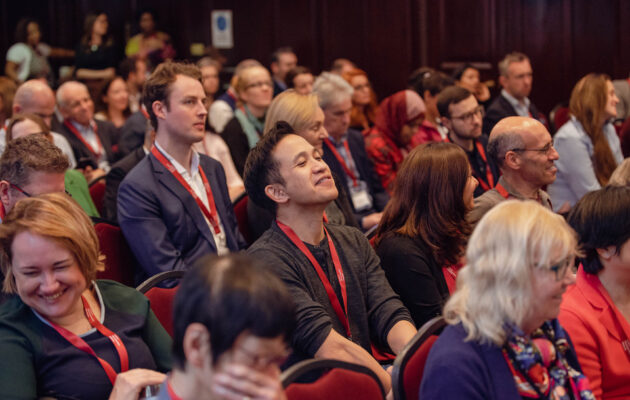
{"type": "Point", "coordinates": [236, 140]}
{"type": "Point", "coordinates": [100, 57]}
{"type": "Point", "coordinates": [479, 166]}
{"type": "Point", "coordinates": [114, 177]}
{"type": "Point", "coordinates": [501, 108]}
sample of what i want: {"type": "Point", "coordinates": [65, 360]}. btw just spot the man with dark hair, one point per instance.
{"type": "Point", "coordinates": [30, 166]}
{"type": "Point", "coordinates": [428, 83]}
{"type": "Point", "coordinates": [515, 76]}
{"type": "Point", "coordinates": [230, 332]}
{"type": "Point", "coordinates": [343, 299]}
{"type": "Point", "coordinates": [174, 206]}
{"type": "Point", "coordinates": [523, 150]}
{"type": "Point", "coordinates": [282, 61]}
{"type": "Point", "coordinates": [134, 72]}
{"type": "Point", "coordinates": [462, 114]}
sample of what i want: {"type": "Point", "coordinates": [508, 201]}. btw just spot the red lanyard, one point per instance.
{"type": "Point", "coordinates": [2, 212]}
{"type": "Point", "coordinates": [76, 133]}
{"type": "Point", "coordinates": [211, 214]}
{"type": "Point", "coordinates": [341, 160]}
{"type": "Point", "coordinates": [489, 182]}
{"type": "Point", "coordinates": [79, 343]}
{"type": "Point", "coordinates": [332, 297]}
{"type": "Point", "coordinates": [144, 112]}
{"type": "Point", "coordinates": [171, 392]}
{"type": "Point", "coordinates": [504, 193]}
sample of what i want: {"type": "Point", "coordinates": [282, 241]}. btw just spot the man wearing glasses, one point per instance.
{"type": "Point", "coordinates": [462, 115]}
{"type": "Point", "coordinates": [523, 149]}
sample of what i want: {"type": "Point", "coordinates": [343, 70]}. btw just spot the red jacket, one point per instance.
{"type": "Point", "coordinates": [600, 336]}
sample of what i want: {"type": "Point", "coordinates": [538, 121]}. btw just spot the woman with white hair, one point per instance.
{"type": "Point", "coordinates": [503, 340]}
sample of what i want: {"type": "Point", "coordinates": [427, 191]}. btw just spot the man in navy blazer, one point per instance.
{"type": "Point", "coordinates": [174, 207]}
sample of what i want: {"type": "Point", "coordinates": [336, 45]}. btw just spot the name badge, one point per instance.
{"type": "Point", "coordinates": [360, 199]}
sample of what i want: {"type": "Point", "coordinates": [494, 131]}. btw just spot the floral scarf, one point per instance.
{"type": "Point", "coordinates": [544, 364]}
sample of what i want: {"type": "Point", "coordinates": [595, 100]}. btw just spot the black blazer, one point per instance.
{"type": "Point", "coordinates": [114, 177]}
{"type": "Point", "coordinates": [501, 108]}
{"type": "Point", "coordinates": [106, 132]}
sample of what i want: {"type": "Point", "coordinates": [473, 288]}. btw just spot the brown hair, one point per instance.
{"type": "Point", "coordinates": [57, 217]}
{"type": "Point", "coordinates": [587, 105]}
{"type": "Point", "coordinates": [510, 58]}
{"type": "Point", "coordinates": [17, 118]}
{"type": "Point", "coordinates": [7, 92]}
{"type": "Point", "coordinates": [358, 116]}
{"type": "Point", "coordinates": [428, 200]}
{"type": "Point", "coordinates": [101, 105]}
{"type": "Point", "coordinates": [158, 86]}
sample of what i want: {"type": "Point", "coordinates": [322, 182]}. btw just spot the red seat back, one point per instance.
{"type": "Point", "coordinates": [240, 211]}
{"type": "Point", "coordinates": [97, 193]}
{"type": "Point", "coordinates": [162, 305]}
{"type": "Point", "coordinates": [561, 117]}
{"type": "Point", "coordinates": [119, 261]}
{"type": "Point", "coordinates": [412, 375]}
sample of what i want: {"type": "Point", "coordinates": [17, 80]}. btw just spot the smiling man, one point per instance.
{"type": "Point", "coordinates": [342, 296]}
{"type": "Point", "coordinates": [523, 149]}
{"type": "Point", "coordinates": [174, 206]}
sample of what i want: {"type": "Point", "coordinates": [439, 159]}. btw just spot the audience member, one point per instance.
{"type": "Point", "coordinates": [134, 72]}
{"type": "Point", "coordinates": [210, 69]}
{"type": "Point", "coordinates": [7, 93]}
{"type": "Point", "coordinates": [515, 76]}
{"type": "Point", "coordinates": [594, 310]}
{"type": "Point", "coordinates": [397, 120]}
{"type": "Point", "coordinates": [91, 140]}
{"type": "Point", "coordinates": [341, 65]}
{"type": "Point", "coordinates": [622, 90]}
{"type": "Point", "coordinates": [132, 133]}
{"type": "Point", "coordinates": [524, 152]}
{"type": "Point", "coordinates": [254, 89]}
{"type": "Point", "coordinates": [282, 61]}
{"type": "Point", "coordinates": [113, 102]}
{"type": "Point", "coordinates": [301, 79]}
{"type": "Point", "coordinates": [239, 359]}
{"type": "Point", "coordinates": [28, 58]}
{"type": "Point", "coordinates": [345, 154]}
{"type": "Point", "coordinates": [150, 44]}
{"type": "Point", "coordinates": [503, 340]}
{"type": "Point", "coordinates": [467, 77]}
{"type": "Point", "coordinates": [364, 102]}
{"type": "Point", "coordinates": [96, 54]}
{"type": "Point", "coordinates": [286, 174]}
{"type": "Point", "coordinates": [52, 331]}
{"type": "Point", "coordinates": [462, 115]}
{"type": "Point", "coordinates": [621, 174]}
{"type": "Point", "coordinates": [588, 144]}
{"type": "Point", "coordinates": [428, 83]}
{"type": "Point", "coordinates": [221, 111]}
{"type": "Point", "coordinates": [174, 206]}
{"type": "Point", "coordinates": [423, 232]}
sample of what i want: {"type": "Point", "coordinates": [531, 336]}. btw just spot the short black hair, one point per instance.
{"type": "Point", "coordinates": [459, 71]}
{"type": "Point", "coordinates": [293, 72]}
{"type": "Point", "coordinates": [21, 29]}
{"type": "Point", "coordinates": [451, 95]}
{"type": "Point", "coordinates": [127, 66]}
{"type": "Point", "coordinates": [261, 169]}
{"type": "Point", "coordinates": [601, 219]}
{"type": "Point", "coordinates": [275, 56]}
{"type": "Point", "coordinates": [426, 78]}
{"type": "Point", "coordinates": [230, 295]}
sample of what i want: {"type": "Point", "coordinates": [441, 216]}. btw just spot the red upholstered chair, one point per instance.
{"type": "Point", "coordinates": [409, 365]}
{"type": "Point", "coordinates": [240, 211]}
{"type": "Point", "coordinates": [338, 380]}
{"type": "Point", "coordinates": [559, 116]}
{"type": "Point", "coordinates": [97, 193]}
{"type": "Point", "coordinates": [161, 298]}
{"type": "Point", "coordinates": [119, 260]}
{"type": "Point", "coordinates": [624, 137]}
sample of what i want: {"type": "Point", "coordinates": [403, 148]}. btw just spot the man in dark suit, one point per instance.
{"type": "Point", "coordinates": [515, 76]}
{"type": "Point", "coordinates": [174, 206]}
{"type": "Point", "coordinates": [282, 61]}
{"type": "Point", "coordinates": [91, 140]}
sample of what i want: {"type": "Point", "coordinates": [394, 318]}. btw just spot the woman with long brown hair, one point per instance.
{"type": "Point", "coordinates": [364, 104]}
{"type": "Point", "coordinates": [588, 145]}
{"type": "Point", "coordinates": [423, 232]}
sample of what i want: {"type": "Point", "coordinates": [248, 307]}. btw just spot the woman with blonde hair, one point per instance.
{"type": "Point", "coordinates": [503, 340]}
{"type": "Point", "coordinates": [65, 334]}
{"type": "Point", "coordinates": [588, 144]}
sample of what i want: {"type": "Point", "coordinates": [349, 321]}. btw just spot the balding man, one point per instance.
{"type": "Point", "coordinates": [523, 150]}
{"type": "Point", "coordinates": [91, 140]}
{"type": "Point", "coordinates": [36, 97]}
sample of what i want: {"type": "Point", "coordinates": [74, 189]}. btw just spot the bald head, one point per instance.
{"type": "Point", "coordinates": [75, 102]}
{"type": "Point", "coordinates": [35, 97]}
{"type": "Point", "coordinates": [510, 133]}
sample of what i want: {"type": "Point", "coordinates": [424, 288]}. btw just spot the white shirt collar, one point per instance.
{"type": "Point", "coordinates": [194, 163]}
{"type": "Point", "coordinates": [513, 101]}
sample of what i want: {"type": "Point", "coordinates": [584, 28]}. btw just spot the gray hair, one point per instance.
{"type": "Point", "coordinates": [499, 145]}
{"type": "Point", "coordinates": [28, 90]}
{"type": "Point", "coordinates": [621, 174]}
{"type": "Point", "coordinates": [509, 58]}
{"type": "Point", "coordinates": [331, 89]}
{"type": "Point", "coordinates": [61, 92]}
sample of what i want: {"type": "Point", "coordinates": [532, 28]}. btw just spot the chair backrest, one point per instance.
{"type": "Point", "coordinates": [337, 380]}
{"type": "Point", "coordinates": [559, 116]}
{"type": "Point", "coordinates": [409, 365]}
{"type": "Point", "coordinates": [119, 260]}
{"type": "Point", "coordinates": [161, 299]}
{"type": "Point", "coordinates": [240, 211]}
{"type": "Point", "coordinates": [97, 193]}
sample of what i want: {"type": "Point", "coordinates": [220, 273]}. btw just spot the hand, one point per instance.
{"type": "Point", "coordinates": [92, 174]}
{"type": "Point", "coordinates": [237, 381]}
{"type": "Point", "coordinates": [370, 220]}
{"type": "Point", "coordinates": [129, 384]}
{"type": "Point", "coordinates": [482, 93]}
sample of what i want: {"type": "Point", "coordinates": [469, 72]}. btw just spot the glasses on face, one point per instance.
{"type": "Point", "coordinates": [19, 189]}
{"type": "Point", "coordinates": [560, 269]}
{"type": "Point", "coordinates": [543, 150]}
{"type": "Point", "coordinates": [469, 116]}
{"type": "Point", "coordinates": [363, 86]}
{"type": "Point", "coordinates": [259, 84]}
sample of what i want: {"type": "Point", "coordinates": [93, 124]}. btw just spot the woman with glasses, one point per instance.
{"type": "Point", "coordinates": [423, 232]}
{"type": "Point", "coordinates": [596, 311]}
{"type": "Point", "coordinates": [503, 340]}
{"type": "Point", "coordinates": [364, 105]}
{"type": "Point", "coordinates": [588, 144]}
{"type": "Point", "coordinates": [254, 89]}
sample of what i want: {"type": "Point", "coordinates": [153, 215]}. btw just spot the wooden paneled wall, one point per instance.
{"type": "Point", "coordinates": [564, 38]}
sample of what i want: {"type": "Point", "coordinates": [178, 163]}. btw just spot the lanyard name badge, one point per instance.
{"type": "Point", "coordinates": [361, 199]}
{"type": "Point", "coordinates": [79, 343]}
{"type": "Point", "coordinates": [332, 296]}
{"type": "Point", "coordinates": [211, 214]}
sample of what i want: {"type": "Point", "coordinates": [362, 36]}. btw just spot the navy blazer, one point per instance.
{"type": "Point", "coordinates": [501, 108]}
{"type": "Point", "coordinates": [366, 170]}
{"type": "Point", "coordinates": [106, 132]}
{"type": "Point", "coordinates": [112, 182]}
{"type": "Point", "coordinates": [162, 222]}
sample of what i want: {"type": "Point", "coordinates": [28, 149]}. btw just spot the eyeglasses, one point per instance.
{"type": "Point", "coordinates": [259, 84]}
{"type": "Point", "coordinates": [543, 150]}
{"type": "Point", "coordinates": [27, 194]}
{"type": "Point", "coordinates": [560, 269]}
{"type": "Point", "coordinates": [363, 86]}
{"type": "Point", "coordinates": [469, 116]}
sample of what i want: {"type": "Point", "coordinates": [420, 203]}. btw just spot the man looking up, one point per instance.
{"type": "Point", "coordinates": [461, 114]}
{"type": "Point", "coordinates": [282, 61]}
{"type": "Point", "coordinates": [523, 149]}
{"type": "Point", "coordinates": [174, 206]}
{"type": "Point", "coordinates": [343, 298]}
